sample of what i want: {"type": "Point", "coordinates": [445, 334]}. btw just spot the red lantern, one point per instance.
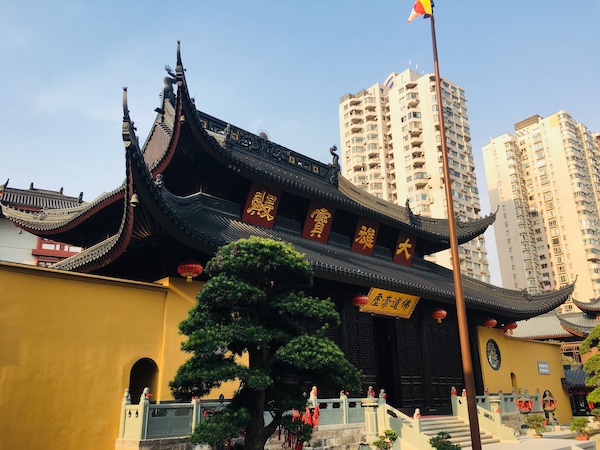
{"type": "Point", "coordinates": [489, 322]}
{"type": "Point", "coordinates": [189, 270]}
{"type": "Point", "coordinates": [360, 300]}
{"type": "Point", "coordinates": [508, 327]}
{"type": "Point", "coordinates": [439, 314]}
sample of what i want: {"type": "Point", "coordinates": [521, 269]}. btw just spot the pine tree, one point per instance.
{"type": "Point", "coordinates": [592, 365]}
{"type": "Point", "coordinates": [253, 305]}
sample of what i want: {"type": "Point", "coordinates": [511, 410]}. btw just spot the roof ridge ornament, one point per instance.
{"type": "Point", "coordinates": [128, 131]}
{"type": "Point", "coordinates": [179, 67]}
{"type": "Point", "coordinates": [335, 165]}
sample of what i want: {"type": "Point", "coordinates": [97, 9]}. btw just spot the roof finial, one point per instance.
{"type": "Point", "coordinates": [125, 107]}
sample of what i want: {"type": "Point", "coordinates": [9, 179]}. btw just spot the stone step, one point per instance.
{"type": "Point", "coordinates": [434, 429]}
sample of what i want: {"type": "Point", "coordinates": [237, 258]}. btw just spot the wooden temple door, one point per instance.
{"type": "Point", "coordinates": [358, 345]}
{"type": "Point", "coordinates": [425, 365]}
{"type": "Point", "coordinates": [411, 385]}
{"type": "Point", "coordinates": [443, 365]}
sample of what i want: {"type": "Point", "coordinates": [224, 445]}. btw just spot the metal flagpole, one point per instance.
{"type": "Point", "coordinates": [461, 313]}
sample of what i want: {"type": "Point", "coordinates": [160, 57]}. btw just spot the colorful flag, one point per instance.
{"type": "Point", "coordinates": [421, 7]}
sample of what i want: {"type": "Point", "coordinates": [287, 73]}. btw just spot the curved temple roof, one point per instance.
{"type": "Point", "coordinates": [204, 222]}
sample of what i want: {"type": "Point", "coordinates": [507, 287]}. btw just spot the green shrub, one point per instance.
{"type": "Point", "coordinates": [536, 422]}
{"type": "Point", "coordinates": [386, 441]}
{"type": "Point", "coordinates": [580, 425]}
{"type": "Point", "coordinates": [441, 442]}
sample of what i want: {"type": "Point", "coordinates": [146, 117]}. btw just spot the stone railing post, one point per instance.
{"type": "Point", "coordinates": [370, 405]}
{"type": "Point", "coordinates": [313, 399]}
{"type": "Point", "coordinates": [453, 400]}
{"type": "Point", "coordinates": [344, 399]}
{"type": "Point", "coordinates": [383, 422]}
{"type": "Point", "coordinates": [126, 401]}
{"type": "Point", "coordinates": [195, 412]}
{"type": "Point", "coordinates": [144, 408]}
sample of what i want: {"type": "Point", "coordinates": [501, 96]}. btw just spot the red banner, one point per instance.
{"type": "Point", "coordinates": [318, 222]}
{"type": "Point", "coordinates": [365, 236]}
{"type": "Point", "coordinates": [261, 205]}
{"type": "Point", "coordinates": [405, 248]}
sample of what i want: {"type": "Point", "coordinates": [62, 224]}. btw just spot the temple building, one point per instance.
{"type": "Point", "coordinates": [20, 246]}
{"type": "Point", "coordinates": [199, 182]}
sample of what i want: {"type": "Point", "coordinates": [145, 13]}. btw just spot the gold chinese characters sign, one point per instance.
{"type": "Point", "coordinates": [318, 222]}
{"type": "Point", "coordinates": [365, 236]}
{"type": "Point", "coordinates": [390, 303]}
{"type": "Point", "coordinates": [261, 205]}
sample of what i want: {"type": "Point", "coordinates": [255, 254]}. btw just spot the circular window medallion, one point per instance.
{"type": "Point", "coordinates": [493, 354]}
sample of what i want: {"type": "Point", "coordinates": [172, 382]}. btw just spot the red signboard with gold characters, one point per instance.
{"type": "Point", "coordinates": [318, 222]}
{"type": "Point", "coordinates": [405, 248]}
{"type": "Point", "coordinates": [365, 236]}
{"type": "Point", "coordinates": [261, 205]}
{"type": "Point", "coordinates": [390, 303]}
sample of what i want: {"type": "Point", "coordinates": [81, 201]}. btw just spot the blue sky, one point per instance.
{"type": "Point", "coordinates": [280, 66]}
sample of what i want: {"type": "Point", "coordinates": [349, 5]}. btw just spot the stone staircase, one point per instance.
{"type": "Point", "coordinates": [326, 437]}
{"type": "Point", "coordinates": [457, 428]}
{"type": "Point", "coordinates": [346, 437]}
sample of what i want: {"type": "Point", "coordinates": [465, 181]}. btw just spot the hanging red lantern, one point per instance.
{"type": "Point", "coordinates": [490, 322]}
{"type": "Point", "coordinates": [189, 270]}
{"type": "Point", "coordinates": [509, 327]}
{"type": "Point", "coordinates": [360, 300]}
{"type": "Point", "coordinates": [439, 314]}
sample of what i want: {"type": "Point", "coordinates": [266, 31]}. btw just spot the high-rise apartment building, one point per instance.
{"type": "Point", "coordinates": [545, 180]}
{"type": "Point", "coordinates": [390, 147]}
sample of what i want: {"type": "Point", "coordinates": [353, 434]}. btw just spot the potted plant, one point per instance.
{"type": "Point", "coordinates": [596, 413]}
{"type": "Point", "coordinates": [386, 441]}
{"type": "Point", "coordinates": [441, 442]}
{"type": "Point", "coordinates": [537, 423]}
{"type": "Point", "coordinates": [580, 425]}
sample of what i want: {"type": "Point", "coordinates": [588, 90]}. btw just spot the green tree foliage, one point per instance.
{"type": "Point", "coordinates": [253, 305]}
{"type": "Point", "coordinates": [442, 442]}
{"type": "Point", "coordinates": [592, 365]}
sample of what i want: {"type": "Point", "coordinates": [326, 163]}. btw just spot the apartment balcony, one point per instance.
{"type": "Point", "coordinates": [413, 100]}
{"type": "Point", "coordinates": [416, 140]}
{"type": "Point", "coordinates": [356, 128]}
{"type": "Point", "coordinates": [592, 257]}
{"type": "Point", "coordinates": [418, 158]}
{"type": "Point", "coordinates": [374, 152]}
{"type": "Point", "coordinates": [358, 164]}
{"type": "Point", "coordinates": [422, 181]}
{"type": "Point", "coordinates": [371, 116]}
{"type": "Point", "coordinates": [415, 130]}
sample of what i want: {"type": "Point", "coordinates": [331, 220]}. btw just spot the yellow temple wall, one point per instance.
{"type": "Point", "coordinates": [519, 368]}
{"type": "Point", "coordinates": [68, 344]}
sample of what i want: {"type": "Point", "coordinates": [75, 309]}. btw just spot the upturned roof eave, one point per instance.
{"type": "Point", "coordinates": [52, 222]}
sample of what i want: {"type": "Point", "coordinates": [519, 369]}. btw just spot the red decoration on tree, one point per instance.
{"type": "Point", "coordinates": [489, 322]}
{"type": "Point", "coordinates": [189, 270]}
{"type": "Point", "coordinates": [360, 300]}
{"type": "Point", "coordinates": [439, 314]}
{"type": "Point", "coordinates": [508, 327]}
